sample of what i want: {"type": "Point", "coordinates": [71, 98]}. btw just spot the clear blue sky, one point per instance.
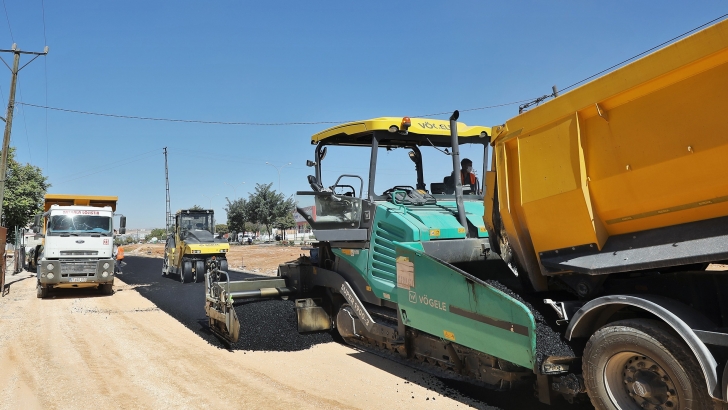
{"type": "Point", "coordinates": [279, 61]}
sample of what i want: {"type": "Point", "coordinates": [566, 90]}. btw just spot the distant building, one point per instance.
{"type": "Point", "coordinates": [302, 225]}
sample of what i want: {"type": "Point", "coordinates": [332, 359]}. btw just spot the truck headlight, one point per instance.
{"type": "Point", "coordinates": [49, 266]}
{"type": "Point", "coordinates": [223, 250]}
{"type": "Point", "coordinates": [105, 274]}
{"type": "Point", "coordinates": [106, 265]}
{"type": "Point", "coordinates": [195, 251]}
{"type": "Point", "coordinates": [49, 275]}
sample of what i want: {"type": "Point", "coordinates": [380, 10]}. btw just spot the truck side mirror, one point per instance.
{"type": "Point", "coordinates": [36, 223]}
{"type": "Point", "coordinates": [122, 225]}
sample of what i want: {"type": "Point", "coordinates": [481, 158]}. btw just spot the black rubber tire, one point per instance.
{"type": "Point", "coordinates": [185, 274]}
{"type": "Point", "coordinates": [223, 265]}
{"type": "Point", "coordinates": [645, 338]}
{"type": "Point", "coordinates": [199, 274]}
{"type": "Point", "coordinates": [41, 292]}
{"type": "Point", "coordinates": [106, 288]}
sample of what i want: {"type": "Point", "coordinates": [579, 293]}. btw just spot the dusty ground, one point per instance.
{"type": "Point", "coordinates": [261, 259]}
{"type": "Point", "coordinates": [82, 350]}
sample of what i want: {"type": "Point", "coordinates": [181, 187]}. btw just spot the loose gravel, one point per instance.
{"type": "Point", "coordinates": [548, 341]}
{"type": "Point", "coordinates": [265, 325]}
{"type": "Point", "coordinates": [272, 325]}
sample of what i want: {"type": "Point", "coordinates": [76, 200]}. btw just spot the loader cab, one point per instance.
{"type": "Point", "coordinates": [401, 162]}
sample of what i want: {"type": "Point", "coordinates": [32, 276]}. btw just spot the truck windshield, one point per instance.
{"type": "Point", "coordinates": [79, 225]}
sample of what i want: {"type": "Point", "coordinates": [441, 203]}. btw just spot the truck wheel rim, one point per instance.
{"type": "Point", "coordinates": [635, 381]}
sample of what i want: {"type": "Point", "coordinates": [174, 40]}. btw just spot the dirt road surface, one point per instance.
{"type": "Point", "coordinates": [146, 346]}
{"type": "Point", "coordinates": [261, 259]}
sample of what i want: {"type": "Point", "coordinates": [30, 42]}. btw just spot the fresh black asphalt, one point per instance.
{"type": "Point", "coordinates": [270, 325]}
{"type": "Point", "coordinates": [266, 325]}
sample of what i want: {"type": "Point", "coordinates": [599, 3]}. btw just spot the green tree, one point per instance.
{"type": "Point", "coordinates": [267, 205]}
{"type": "Point", "coordinates": [285, 222]}
{"type": "Point", "coordinates": [238, 213]}
{"type": "Point", "coordinates": [25, 187]}
{"type": "Point", "coordinates": [222, 229]}
{"type": "Point", "coordinates": [197, 208]}
{"type": "Point", "coordinates": [158, 233]}
{"type": "Point", "coordinates": [252, 227]}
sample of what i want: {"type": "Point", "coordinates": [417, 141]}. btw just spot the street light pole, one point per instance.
{"type": "Point", "coordinates": [278, 168]}
{"type": "Point", "coordinates": [233, 187]}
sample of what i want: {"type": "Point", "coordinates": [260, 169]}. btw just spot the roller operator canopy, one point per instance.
{"type": "Point", "coordinates": [402, 130]}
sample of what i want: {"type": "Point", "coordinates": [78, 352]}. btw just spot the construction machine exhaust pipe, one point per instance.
{"type": "Point", "coordinates": [456, 171]}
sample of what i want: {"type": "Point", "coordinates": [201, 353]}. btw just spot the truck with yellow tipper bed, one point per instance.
{"type": "Point", "coordinates": [608, 205]}
{"type": "Point", "coordinates": [78, 242]}
{"type": "Point", "coordinates": [617, 192]}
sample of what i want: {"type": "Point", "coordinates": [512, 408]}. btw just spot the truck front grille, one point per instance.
{"type": "Point", "coordinates": [79, 253]}
{"type": "Point", "coordinates": [78, 267]}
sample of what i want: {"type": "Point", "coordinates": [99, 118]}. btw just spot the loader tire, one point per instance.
{"type": "Point", "coordinates": [185, 274]}
{"type": "Point", "coordinates": [199, 274]}
{"type": "Point", "coordinates": [640, 363]}
{"type": "Point", "coordinates": [223, 265]}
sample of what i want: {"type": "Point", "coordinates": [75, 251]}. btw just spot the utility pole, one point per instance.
{"type": "Point", "coordinates": [169, 216]}
{"type": "Point", "coordinates": [11, 106]}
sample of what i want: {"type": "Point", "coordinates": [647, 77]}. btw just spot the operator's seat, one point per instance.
{"type": "Point", "coordinates": [437, 188]}
{"type": "Point", "coordinates": [448, 185]}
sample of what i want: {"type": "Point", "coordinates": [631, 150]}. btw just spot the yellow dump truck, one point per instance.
{"type": "Point", "coordinates": [611, 202]}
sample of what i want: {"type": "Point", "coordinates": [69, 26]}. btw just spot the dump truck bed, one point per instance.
{"type": "Point", "coordinates": [638, 150]}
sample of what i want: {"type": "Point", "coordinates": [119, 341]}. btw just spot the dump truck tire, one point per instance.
{"type": "Point", "coordinates": [199, 274]}
{"type": "Point", "coordinates": [639, 363]}
{"type": "Point", "coordinates": [41, 292]}
{"type": "Point", "coordinates": [185, 274]}
{"type": "Point", "coordinates": [223, 265]}
{"type": "Point", "coordinates": [106, 288]}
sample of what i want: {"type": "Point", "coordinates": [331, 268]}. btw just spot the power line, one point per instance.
{"type": "Point", "coordinates": [538, 100]}
{"type": "Point", "coordinates": [134, 117]}
{"type": "Point", "coordinates": [476, 109]}
{"type": "Point", "coordinates": [42, 5]}
{"type": "Point", "coordinates": [531, 100]}
{"type": "Point", "coordinates": [8, 20]}
{"type": "Point", "coordinates": [646, 51]}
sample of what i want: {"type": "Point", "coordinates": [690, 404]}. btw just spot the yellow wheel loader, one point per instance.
{"type": "Point", "coordinates": [192, 248]}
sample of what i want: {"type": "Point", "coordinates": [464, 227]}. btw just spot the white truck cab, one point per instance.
{"type": "Point", "coordinates": [78, 243]}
